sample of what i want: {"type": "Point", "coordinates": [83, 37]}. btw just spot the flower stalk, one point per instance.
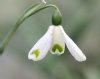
{"type": "Point", "coordinates": [29, 12]}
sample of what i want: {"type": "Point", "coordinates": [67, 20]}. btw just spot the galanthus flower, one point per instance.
{"type": "Point", "coordinates": [54, 40]}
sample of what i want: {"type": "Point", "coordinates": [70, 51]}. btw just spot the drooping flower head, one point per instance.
{"type": "Point", "coordinates": [54, 40]}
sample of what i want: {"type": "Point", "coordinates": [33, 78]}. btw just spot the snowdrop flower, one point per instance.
{"type": "Point", "coordinates": [54, 40]}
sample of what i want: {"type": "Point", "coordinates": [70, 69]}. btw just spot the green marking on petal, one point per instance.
{"type": "Point", "coordinates": [57, 47]}
{"type": "Point", "coordinates": [36, 52]}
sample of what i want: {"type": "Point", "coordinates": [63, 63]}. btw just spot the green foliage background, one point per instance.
{"type": "Point", "coordinates": [81, 21]}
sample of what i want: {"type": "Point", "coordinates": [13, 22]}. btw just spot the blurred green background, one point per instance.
{"type": "Point", "coordinates": [81, 21]}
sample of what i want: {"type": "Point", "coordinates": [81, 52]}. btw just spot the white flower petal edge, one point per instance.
{"type": "Point", "coordinates": [58, 45]}
{"type": "Point", "coordinates": [41, 48]}
{"type": "Point", "coordinates": [73, 48]}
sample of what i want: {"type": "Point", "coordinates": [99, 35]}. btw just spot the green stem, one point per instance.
{"type": "Point", "coordinates": [31, 11]}
{"type": "Point", "coordinates": [50, 5]}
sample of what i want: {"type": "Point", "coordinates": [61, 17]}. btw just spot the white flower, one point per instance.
{"type": "Point", "coordinates": [54, 40]}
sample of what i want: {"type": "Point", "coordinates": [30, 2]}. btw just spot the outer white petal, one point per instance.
{"type": "Point", "coordinates": [42, 46]}
{"type": "Point", "coordinates": [73, 48]}
{"type": "Point", "coordinates": [58, 45]}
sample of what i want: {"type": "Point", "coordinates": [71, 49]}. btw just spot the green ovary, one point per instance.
{"type": "Point", "coordinates": [57, 47]}
{"type": "Point", "coordinates": [36, 52]}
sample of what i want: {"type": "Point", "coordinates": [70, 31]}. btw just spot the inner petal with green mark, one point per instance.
{"type": "Point", "coordinates": [57, 47]}
{"type": "Point", "coordinates": [36, 52]}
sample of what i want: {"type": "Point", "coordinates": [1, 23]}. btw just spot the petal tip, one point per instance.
{"type": "Point", "coordinates": [32, 57]}
{"type": "Point", "coordinates": [82, 59]}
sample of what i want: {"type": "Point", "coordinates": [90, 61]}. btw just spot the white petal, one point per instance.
{"type": "Point", "coordinates": [41, 48]}
{"type": "Point", "coordinates": [58, 45]}
{"type": "Point", "coordinates": [73, 48]}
